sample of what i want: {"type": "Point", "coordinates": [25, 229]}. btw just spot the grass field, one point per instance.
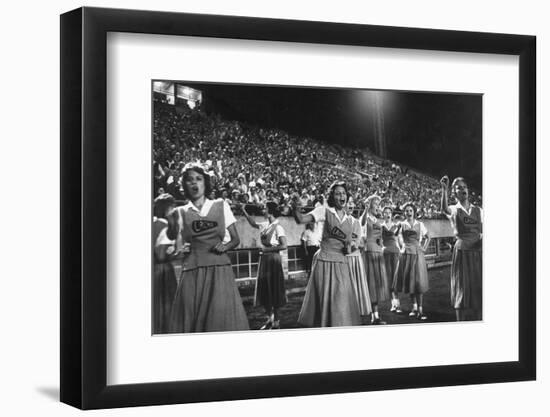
{"type": "Point", "coordinates": [436, 303]}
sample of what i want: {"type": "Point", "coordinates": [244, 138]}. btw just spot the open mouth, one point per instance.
{"type": "Point", "coordinates": [194, 189]}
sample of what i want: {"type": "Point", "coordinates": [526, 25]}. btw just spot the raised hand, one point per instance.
{"type": "Point", "coordinates": [444, 182]}
{"type": "Point", "coordinates": [173, 224]}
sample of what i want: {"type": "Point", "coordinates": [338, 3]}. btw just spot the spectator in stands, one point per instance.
{"type": "Point", "coordinates": [261, 193]}
{"type": "Point", "coordinates": [225, 196]}
{"type": "Point", "coordinates": [304, 199]}
{"type": "Point", "coordinates": [250, 154]}
{"type": "Point", "coordinates": [269, 196]}
{"type": "Point", "coordinates": [253, 196]}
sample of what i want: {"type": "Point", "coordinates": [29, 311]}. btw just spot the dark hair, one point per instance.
{"type": "Point", "coordinates": [409, 205]}
{"type": "Point", "coordinates": [161, 204]}
{"type": "Point", "coordinates": [330, 200]}
{"type": "Point", "coordinates": [273, 209]}
{"type": "Point", "coordinates": [390, 208]}
{"type": "Point", "coordinates": [200, 170]}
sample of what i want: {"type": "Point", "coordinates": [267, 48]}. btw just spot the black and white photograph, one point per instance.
{"type": "Point", "coordinates": [294, 208]}
{"type": "Point", "coordinates": [284, 207]}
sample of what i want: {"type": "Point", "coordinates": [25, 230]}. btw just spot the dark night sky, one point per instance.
{"type": "Point", "coordinates": [433, 132]}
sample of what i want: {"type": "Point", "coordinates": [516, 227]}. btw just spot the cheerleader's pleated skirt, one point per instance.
{"type": "Point", "coordinates": [330, 299]}
{"type": "Point", "coordinates": [391, 260]}
{"type": "Point", "coordinates": [412, 275]}
{"type": "Point", "coordinates": [207, 300]}
{"type": "Point", "coordinates": [359, 283]}
{"type": "Point", "coordinates": [377, 278]}
{"type": "Point", "coordinates": [466, 279]}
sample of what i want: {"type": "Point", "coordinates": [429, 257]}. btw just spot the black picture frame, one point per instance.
{"type": "Point", "coordinates": [84, 207]}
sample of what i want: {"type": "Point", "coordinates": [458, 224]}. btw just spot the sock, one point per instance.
{"type": "Point", "coordinates": [376, 315]}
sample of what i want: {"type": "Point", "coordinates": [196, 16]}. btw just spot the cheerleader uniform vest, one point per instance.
{"type": "Point", "coordinates": [390, 241]}
{"type": "Point", "coordinates": [411, 238]}
{"type": "Point", "coordinates": [468, 228]}
{"type": "Point", "coordinates": [334, 238]}
{"type": "Point", "coordinates": [204, 233]}
{"type": "Point", "coordinates": [374, 236]}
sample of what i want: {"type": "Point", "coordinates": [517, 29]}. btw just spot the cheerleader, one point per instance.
{"type": "Point", "coordinates": [207, 298]}
{"type": "Point", "coordinates": [467, 221]}
{"type": "Point", "coordinates": [330, 299]}
{"type": "Point", "coordinates": [412, 276]}
{"type": "Point", "coordinates": [379, 284]}
{"type": "Point", "coordinates": [391, 251]}
{"type": "Point", "coordinates": [270, 285]}
{"type": "Point", "coordinates": [357, 269]}
{"type": "Point", "coordinates": [164, 277]}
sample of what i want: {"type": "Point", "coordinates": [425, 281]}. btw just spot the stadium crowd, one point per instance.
{"type": "Point", "coordinates": [253, 165]}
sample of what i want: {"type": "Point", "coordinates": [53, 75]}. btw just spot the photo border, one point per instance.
{"type": "Point", "coordinates": [84, 207]}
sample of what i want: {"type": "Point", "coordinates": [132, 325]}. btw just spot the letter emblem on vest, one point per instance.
{"type": "Point", "coordinates": [469, 220]}
{"type": "Point", "coordinates": [337, 233]}
{"type": "Point", "coordinates": [409, 233]}
{"type": "Point", "coordinates": [202, 225]}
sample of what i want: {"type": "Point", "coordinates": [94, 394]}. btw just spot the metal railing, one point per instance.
{"type": "Point", "coordinates": [245, 261]}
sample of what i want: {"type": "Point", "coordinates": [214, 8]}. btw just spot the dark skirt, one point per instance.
{"type": "Point", "coordinates": [207, 300]}
{"type": "Point", "coordinates": [377, 278]}
{"type": "Point", "coordinates": [330, 299]}
{"type": "Point", "coordinates": [391, 260]}
{"type": "Point", "coordinates": [412, 275]}
{"type": "Point", "coordinates": [466, 279]}
{"type": "Point", "coordinates": [164, 289]}
{"type": "Point", "coordinates": [311, 250]}
{"type": "Point", "coordinates": [270, 286]}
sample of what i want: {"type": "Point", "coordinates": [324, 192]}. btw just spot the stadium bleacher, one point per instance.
{"type": "Point", "coordinates": [250, 164]}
